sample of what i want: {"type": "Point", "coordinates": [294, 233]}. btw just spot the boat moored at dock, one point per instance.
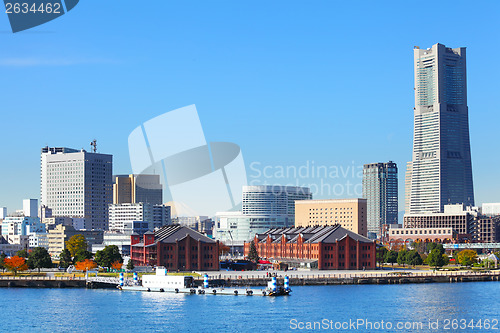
{"type": "Point", "coordinates": [162, 282]}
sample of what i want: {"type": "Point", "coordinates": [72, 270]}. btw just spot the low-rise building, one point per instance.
{"type": "Point", "coordinates": [121, 240]}
{"type": "Point", "coordinates": [325, 247]}
{"type": "Point", "coordinates": [176, 248]}
{"type": "Point", "coordinates": [396, 233]}
{"type": "Point", "coordinates": [61, 233]}
{"type": "Point", "coordinates": [468, 223]}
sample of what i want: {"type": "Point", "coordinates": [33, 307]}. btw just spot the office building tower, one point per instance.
{"type": "Point", "coordinates": [380, 189]}
{"type": "Point", "coordinates": [3, 212]}
{"type": "Point", "coordinates": [76, 183]}
{"type": "Point", "coordinates": [137, 188]}
{"type": "Point", "coordinates": [440, 172]}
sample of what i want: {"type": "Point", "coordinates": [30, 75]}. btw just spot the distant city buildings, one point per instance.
{"type": "Point", "coordinates": [3, 212]}
{"type": "Point", "coordinates": [440, 172]}
{"type": "Point", "coordinates": [466, 222]}
{"type": "Point", "coordinates": [263, 207]}
{"type": "Point", "coordinates": [137, 188]}
{"type": "Point", "coordinates": [202, 224]}
{"type": "Point", "coordinates": [380, 189]}
{"type": "Point", "coordinates": [128, 218]}
{"type": "Point", "coordinates": [76, 183]}
{"type": "Point", "coordinates": [348, 213]}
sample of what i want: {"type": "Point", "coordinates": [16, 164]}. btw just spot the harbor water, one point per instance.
{"type": "Point", "coordinates": [434, 307]}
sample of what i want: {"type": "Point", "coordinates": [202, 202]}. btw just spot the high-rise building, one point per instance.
{"type": "Point", "coordinates": [77, 183]}
{"type": "Point", "coordinates": [263, 207]}
{"type": "Point", "coordinates": [440, 172]}
{"type": "Point", "coordinates": [137, 188]}
{"type": "Point", "coordinates": [348, 213]}
{"type": "Point", "coordinates": [380, 189]}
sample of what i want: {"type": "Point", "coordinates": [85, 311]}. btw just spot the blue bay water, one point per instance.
{"type": "Point", "coordinates": [82, 310]}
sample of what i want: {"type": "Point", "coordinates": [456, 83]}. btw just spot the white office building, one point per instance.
{"type": "Point", "coordinates": [30, 207]}
{"type": "Point", "coordinates": [76, 183]}
{"type": "Point", "coordinates": [138, 217]}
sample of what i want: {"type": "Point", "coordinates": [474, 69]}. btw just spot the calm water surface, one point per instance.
{"type": "Point", "coordinates": [63, 310]}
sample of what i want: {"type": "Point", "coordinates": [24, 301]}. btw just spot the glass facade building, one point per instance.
{"type": "Point", "coordinates": [380, 188]}
{"type": "Point", "coordinates": [440, 172]}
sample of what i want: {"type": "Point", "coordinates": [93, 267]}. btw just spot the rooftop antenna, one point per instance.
{"type": "Point", "coordinates": [93, 144]}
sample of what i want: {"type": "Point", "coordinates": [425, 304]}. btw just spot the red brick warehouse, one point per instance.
{"type": "Point", "coordinates": [175, 248]}
{"type": "Point", "coordinates": [333, 247]}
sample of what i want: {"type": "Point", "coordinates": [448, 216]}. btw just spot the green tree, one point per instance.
{"type": "Point", "coordinates": [437, 259]}
{"type": "Point", "coordinates": [253, 255]}
{"type": "Point", "coordinates": [22, 253]}
{"type": "Point", "coordinates": [467, 257]}
{"type": "Point", "coordinates": [413, 258]}
{"type": "Point", "coordinates": [2, 258]}
{"type": "Point", "coordinates": [39, 258]}
{"type": "Point", "coordinates": [381, 253]}
{"type": "Point", "coordinates": [76, 243]}
{"type": "Point", "coordinates": [65, 259]}
{"type": "Point", "coordinates": [108, 255]}
{"type": "Point", "coordinates": [81, 255]}
{"type": "Point", "coordinates": [401, 260]}
{"type": "Point", "coordinates": [391, 257]}
{"type": "Point", "coordinates": [432, 246]}
{"type": "Point", "coordinates": [130, 265]}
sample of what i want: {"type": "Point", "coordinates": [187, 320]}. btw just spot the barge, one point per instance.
{"type": "Point", "coordinates": [162, 282]}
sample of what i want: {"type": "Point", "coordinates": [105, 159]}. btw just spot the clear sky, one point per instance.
{"type": "Point", "coordinates": [294, 83]}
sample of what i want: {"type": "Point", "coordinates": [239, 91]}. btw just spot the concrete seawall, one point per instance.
{"type": "Point", "coordinates": [41, 282]}
{"type": "Point", "coordinates": [258, 281]}
{"type": "Point", "coordinates": [377, 279]}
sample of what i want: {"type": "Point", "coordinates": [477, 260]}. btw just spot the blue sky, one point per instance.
{"type": "Point", "coordinates": [328, 83]}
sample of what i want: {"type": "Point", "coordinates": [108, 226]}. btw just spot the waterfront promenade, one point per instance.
{"type": "Point", "coordinates": [261, 278]}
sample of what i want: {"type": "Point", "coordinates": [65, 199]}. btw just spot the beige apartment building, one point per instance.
{"type": "Point", "coordinates": [62, 233]}
{"type": "Point", "coordinates": [349, 213]}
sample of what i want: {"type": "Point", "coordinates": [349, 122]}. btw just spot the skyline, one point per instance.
{"type": "Point", "coordinates": [305, 83]}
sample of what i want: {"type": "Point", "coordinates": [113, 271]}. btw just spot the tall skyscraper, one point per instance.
{"type": "Point", "coordinates": [77, 183]}
{"type": "Point", "coordinates": [440, 172]}
{"type": "Point", "coordinates": [380, 189]}
{"type": "Point", "coordinates": [137, 188]}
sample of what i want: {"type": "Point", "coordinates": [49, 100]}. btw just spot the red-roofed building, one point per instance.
{"type": "Point", "coordinates": [331, 247]}
{"type": "Point", "coordinates": [175, 248]}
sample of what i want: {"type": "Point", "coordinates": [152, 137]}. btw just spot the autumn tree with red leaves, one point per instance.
{"type": "Point", "coordinates": [15, 264]}
{"type": "Point", "coordinates": [85, 265]}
